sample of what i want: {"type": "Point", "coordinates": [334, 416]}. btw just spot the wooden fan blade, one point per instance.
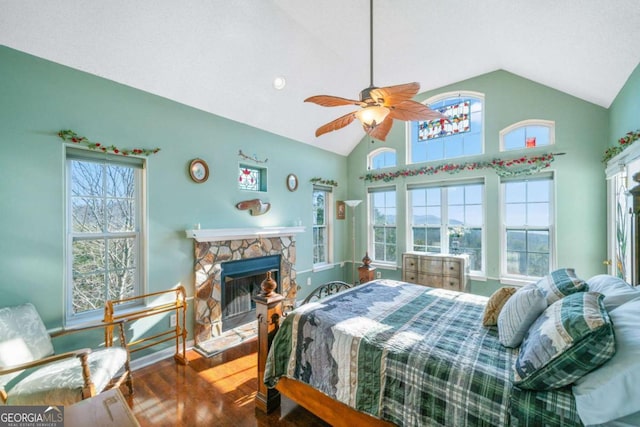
{"type": "Point", "coordinates": [336, 124]}
{"type": "Point", "coordinates": [412, 110]}
{"type": "Point", "coordinates": [332, 101]}
{"type": "Point", "coordinates": [392, 95]}
{"type": "Point", "coordinates": [379, 131]}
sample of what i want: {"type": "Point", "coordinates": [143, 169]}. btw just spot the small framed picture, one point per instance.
{"type": "Point", "coordinates": [341, 209]}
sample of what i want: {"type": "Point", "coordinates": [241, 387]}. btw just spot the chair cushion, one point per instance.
{"type": "Point", "coordinates": [518, 313]}
{"type": "Point", "coordinates": [573, 336]}
{"type": "Point", "coordinates": [60, 383]}
{"type": "Point", "coordinates": [560, 283]}
{"type": "Point", "coordinates": [495, 304]}
{"type": "Point", "coordinates": [23, 338]}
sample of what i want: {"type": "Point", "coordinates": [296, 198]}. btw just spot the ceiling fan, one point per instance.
{"type": "Point", "coordinates": [379, 105]}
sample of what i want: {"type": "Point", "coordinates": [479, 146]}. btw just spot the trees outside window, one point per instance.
{"type": "Point", "coordinates": [527, 227]}
{"type": "Point", "coordinates": [103, 223]}
{"type": "Point", "coordinates": [383, 225]}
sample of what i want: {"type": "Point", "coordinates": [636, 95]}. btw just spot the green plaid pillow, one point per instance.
{"type": "Point", "coordinates": [570, 338]}
{"type": "Point", "coordinates": [561, 283]}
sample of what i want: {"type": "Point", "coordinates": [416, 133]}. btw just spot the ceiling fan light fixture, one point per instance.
{"type": "Point", "coordinates": [372, 115]}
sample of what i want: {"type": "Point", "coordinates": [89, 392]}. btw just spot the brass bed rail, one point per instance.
{"type": "Point", "coordinates": [177, 332]}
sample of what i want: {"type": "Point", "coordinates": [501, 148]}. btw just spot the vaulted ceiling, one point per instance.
{"type": "Point", "coordinates": [222, 56]}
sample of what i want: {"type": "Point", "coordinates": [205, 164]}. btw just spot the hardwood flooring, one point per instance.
{"type": "Point", "coordinates": [216, 391]}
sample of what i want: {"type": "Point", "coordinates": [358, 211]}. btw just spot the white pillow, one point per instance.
{"type": "Point", "coordinates": [613, 390]}
{"type": "Point", "coordinates": [519, 313]}
{"type": "Point", "coordinates": [615, 290]}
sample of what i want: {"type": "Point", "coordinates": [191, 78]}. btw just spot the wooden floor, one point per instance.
{"type": "Point", "coordinates": [216, 391]}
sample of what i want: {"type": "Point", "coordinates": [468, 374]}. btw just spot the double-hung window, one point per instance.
{"type": "Point", "coordinates": [321, 225]}
{"type": "Point", "coordinates": [527, 227]}
{"type": "Point", "coordinates": [448, 219]}
{"type": "Point", "coordinates": [382, 217]}
{"type": "Point", "coordinates": [104, 249]}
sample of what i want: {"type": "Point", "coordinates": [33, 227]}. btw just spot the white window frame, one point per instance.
{"type": "Point", "coordinates": [508, 278]}
{"type": "Point", "coordinates": [439, 97]}
{"type": "Point", "coordinates": [550, 124]}
{"type": "Point", "coordinates": [328, 229]}
{"type": "Point", "coordinates": [371, 225]}
{"type": "Point", "coordinates": [373, 154]}
{"type": "Point", "coordinates": [444, 217]}
{"type": "Point", "coordinates": [139, 234]}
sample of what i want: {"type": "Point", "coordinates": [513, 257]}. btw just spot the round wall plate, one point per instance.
{"type": "Point", "coordinates": [199, 170]}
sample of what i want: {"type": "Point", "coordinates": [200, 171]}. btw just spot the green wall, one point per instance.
{"type": "Point", "coordinates": [581, 133]}
{"type": "Point", "coordinates": [38, 98]}
{"type": "Point", "coordinates": [625, 109]}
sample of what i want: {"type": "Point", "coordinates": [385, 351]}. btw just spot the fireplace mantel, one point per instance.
{"type": "Point", "coordinates": [221, 234]}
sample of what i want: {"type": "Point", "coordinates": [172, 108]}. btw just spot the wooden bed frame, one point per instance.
{"type": "Point", "coordinates": [269, 313]}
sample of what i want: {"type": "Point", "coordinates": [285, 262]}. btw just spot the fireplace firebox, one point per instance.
{"type": "Point", "coordinates": [240, 281]}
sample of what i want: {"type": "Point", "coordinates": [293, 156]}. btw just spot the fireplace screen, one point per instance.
{"type": "Point", "coordinates": [241, 280]}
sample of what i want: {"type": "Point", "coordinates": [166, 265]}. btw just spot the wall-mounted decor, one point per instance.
{"type": "Point", "coordinates": [71, 136]}
{"type": "Point", "coordinates": [254, 206]}
{"type": "Point", "coordinates": [199, 170]}
{"type": "Point", "coordinates": [341, 210]}
{"type": "Point", "coordinates": [322, 181]}
{"type": "Point", "coordinates": [292, 182]}
{"type": "Point", "coordinates": [254, 158]}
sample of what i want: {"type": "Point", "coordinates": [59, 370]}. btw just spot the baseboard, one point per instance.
{"type": "Point", "coordinates": [157, 356]}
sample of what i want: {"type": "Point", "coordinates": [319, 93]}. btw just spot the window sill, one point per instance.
{"type": "Point", "coordinates": [384, 266]}
{"type": "Point", "coordinates": [322, 267]}
{"type": "Point", "coordinates": [517, 281]}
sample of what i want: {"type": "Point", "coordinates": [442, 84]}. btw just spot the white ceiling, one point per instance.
{"type": "Point", "coordinates": [221, 56]}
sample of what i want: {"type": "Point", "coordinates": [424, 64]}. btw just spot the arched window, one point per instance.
{"type": "Point", "coordinates": [461, 135]}
{"type": "Point", "coordinates": [527, 134]}
{"type": "Point", "coordinates": [381, 158]}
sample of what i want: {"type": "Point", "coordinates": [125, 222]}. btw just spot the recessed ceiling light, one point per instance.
{"type": "Point", "coordinates": [279, 82]}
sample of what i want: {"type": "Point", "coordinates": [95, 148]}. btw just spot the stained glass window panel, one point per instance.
{"type": "Point", "coordinates": [249, 178]}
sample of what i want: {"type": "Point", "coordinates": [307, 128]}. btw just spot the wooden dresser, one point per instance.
{"type": "Point", "coordinates": [436, 270]}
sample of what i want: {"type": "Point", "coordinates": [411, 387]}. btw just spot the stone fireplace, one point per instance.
{"type": "Point", "coordinates": [214, 248]}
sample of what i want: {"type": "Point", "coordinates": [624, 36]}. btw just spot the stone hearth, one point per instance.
{"type": "Point", "coordinates": [209, 255]}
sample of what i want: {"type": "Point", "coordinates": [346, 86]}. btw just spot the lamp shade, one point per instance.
{"type": "Point", "coordinates": [352, 203]}
{"type": "Point", "coordinates": [371, 115]}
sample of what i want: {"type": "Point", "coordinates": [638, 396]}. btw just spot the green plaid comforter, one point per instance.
{"type": "Point", "coordinates": [409, 354]}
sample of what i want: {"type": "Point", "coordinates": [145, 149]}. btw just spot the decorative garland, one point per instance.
{"type": "Point", "coordinates": [512, 167]}
{"type": "Point", "coordinates": [623, 143]}
{"type": "Point", "coordinates": [324, 181]}
{"type": "Point", "coordinates": [254, 158]}
{"type": "Point", "coordinates": [71, 136]}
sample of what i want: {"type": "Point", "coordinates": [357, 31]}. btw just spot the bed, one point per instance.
{"type": "Point", "coordinates": [402, 354]}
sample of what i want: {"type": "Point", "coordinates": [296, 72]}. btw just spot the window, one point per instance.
{"type": "Point", "coordinates": [448, 219]}
{"type": "Point", "coordinates": [383, 221]}
{"type": "Point", "coordinates": [527, 235]}
{"type": "Point", "coordinates": [321, 220]}
{"type": "Point", "coordinates": [461, 135]}
{"type": "Point", "coordinates": [104, 225]}
{"type": "Point", "coordinates": [381, 158]}
{"type": "Point", "coordinates": [252, 178]}
{"type": "Point", "coordinates": [527, 134]}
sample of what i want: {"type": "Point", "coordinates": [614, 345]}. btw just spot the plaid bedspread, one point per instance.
{"type": "Point", "coordinates": [409, 354]}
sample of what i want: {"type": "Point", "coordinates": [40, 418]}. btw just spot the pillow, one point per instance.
{"type": "Point", "coordinates": [572, 337]}
{"type": "Point", "coordinates": [495, 304]}
{"type": "Point", "coordinates": [518, 313]}
{"type": "Point", "coordinates": [561, 283]}
{"type": "Point", "coordinates": [612, 391]}
{"type": "Point", "coordinates": [615, 290]}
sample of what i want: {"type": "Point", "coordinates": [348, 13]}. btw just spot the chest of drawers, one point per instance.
{"type": "Point", "coordinates": [435, 270]}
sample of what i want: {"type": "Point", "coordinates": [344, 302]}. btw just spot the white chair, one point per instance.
{"type": "Point", "coordinates": [31, 374]}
